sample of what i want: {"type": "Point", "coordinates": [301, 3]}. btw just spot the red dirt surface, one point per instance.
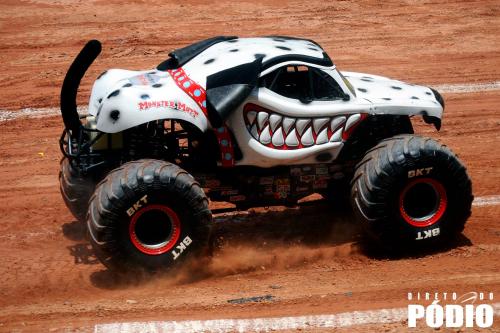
{"type": "Point", "coordinates": [309, 258]}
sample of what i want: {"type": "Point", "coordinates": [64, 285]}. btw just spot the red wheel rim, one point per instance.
{"type": "Point", "coordinates": [432, 216]}
{"type": "Point", "coordinates": [165, 245]}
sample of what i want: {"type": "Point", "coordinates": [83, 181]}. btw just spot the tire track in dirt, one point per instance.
{"type": "Point", "coordinates": [345, 319]}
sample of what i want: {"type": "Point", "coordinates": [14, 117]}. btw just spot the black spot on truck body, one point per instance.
{"type": "Point", "coordinates": [115, 115]}
{"type": "Point", "coordinates": [114, 93]}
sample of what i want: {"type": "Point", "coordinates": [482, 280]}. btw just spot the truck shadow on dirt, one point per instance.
{"type": "Point", "coordinates": [81, 251]}
{"type": "Point", "coordinates": [262, 239]}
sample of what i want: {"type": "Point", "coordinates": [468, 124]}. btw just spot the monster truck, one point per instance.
{"type": "Point", "coordinates": [250, 121]}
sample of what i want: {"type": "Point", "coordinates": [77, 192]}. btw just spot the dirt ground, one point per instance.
{"type": "Point", "coordinates": [310, 258]}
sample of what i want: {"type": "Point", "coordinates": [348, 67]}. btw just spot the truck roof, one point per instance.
{"type": "Point", "coordinates": [217, 54]}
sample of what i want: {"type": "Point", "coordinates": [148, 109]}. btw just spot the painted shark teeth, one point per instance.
{"type": "Point", "coordinates": [291, 139]}
{"type": "Point", "coordinates": [318, 124]}
{"type": "Point", "coordinates": [251, 116]}
{"type": "Point", "coordinates": [280, 132]}
{"type": "Point", "coordinates": [336, 122]}
{"type": "Point", "coordinates": [287, 124]}
{"type": "Point", "coordinates": [278, 140]}
{"type": "Point", "coordinates": [337, 136]}
{"type": "Point", "coordinates": [254, 131]}
{"type": "Point", "coordinates": [352, 120]}
{"type": "Point", "coordinates": [301, 125]}
{"type": "Point", "coordinates": [274, 121]}
{"type": "Point", "coordinates": [262, 119]}
{"type": "Point", "coordinates": [307, 138]}
{"type": "Point", "coordinates": [322, 137]}
{"type": "Point", "coordinates": [265, 136]}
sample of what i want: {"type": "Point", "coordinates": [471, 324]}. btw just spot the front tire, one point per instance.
{"type": "Point", "coordinates": [411, 192]}
{"type": "Point", "coordinates": [148, 215]}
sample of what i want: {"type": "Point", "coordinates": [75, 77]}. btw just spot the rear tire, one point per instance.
{"type": "Point", "coordinates": [75, 188]}
{"type": "Point", "coordinates": [148, 215]}
{"type": "Point", "coordinates": [411, 192]}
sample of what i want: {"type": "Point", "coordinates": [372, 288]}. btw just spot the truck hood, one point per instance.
{"type": "Point", "coordinates": [123, 99]}
{"type": "Point", "coordinates": [388, 95]}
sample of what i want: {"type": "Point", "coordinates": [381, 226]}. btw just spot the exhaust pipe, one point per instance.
{"type": "Point", "coordinates": [71, 83]}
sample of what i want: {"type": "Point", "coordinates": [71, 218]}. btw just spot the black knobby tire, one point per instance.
{"type": "Point", "coordinates": [411, 192]}
{"type": "Point", "coordinates": [75, 188]}
{"type": "Point", "coordinates": [148, 215]}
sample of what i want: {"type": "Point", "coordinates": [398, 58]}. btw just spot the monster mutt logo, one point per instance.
{"type": "Point", "coordinates": [464, 310]}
